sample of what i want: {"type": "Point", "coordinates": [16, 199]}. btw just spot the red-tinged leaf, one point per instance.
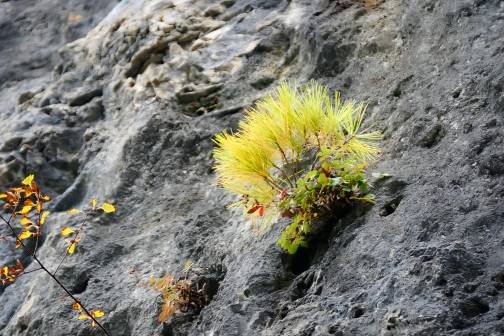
{"type": "Point", "coordinates": [254, 209]}
{"type": "Point", "coordinates": [261, 211]}
{"type": "Point", "coordinates": [283, 194]}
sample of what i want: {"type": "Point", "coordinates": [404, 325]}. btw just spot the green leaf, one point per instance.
{"type": "Point", "coordinates": [322, 180]}
{"type": "Point", "coordinates": [311, 174]}
{"type": "Point", "coordinates": [335, 181]}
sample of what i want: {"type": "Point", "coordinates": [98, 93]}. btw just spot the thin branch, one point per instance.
{"type": "Point", "coordinates": [284, 174]}
{"type": "Point", "coordinates": [38, 232]}
{"type": "Point", "coordinates": [28, 272]}
{"type": "Point", "coordinates": [50, 274]}
{"type": "Point", "coordinates": [75, 236]}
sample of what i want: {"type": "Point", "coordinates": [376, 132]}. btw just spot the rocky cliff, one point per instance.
{"type": "Point", "coordinates": [120, 100]}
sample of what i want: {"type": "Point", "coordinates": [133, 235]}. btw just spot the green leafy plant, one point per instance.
{"type": "Point", "coordinates": [27, 215]}
{"type": "Point", "coordinates": [297, 154]}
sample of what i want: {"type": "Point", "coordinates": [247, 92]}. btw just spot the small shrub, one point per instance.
{"type": "Point", "coordinates": [179, 294]}
{"type": "Point", "coordinates": [25, 204]}
{"type": "Point", "coordinates": [297, 154]}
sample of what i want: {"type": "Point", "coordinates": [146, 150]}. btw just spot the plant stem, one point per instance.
{"type": "Point", "coordinates": [32, 253]}
{"type": "Point", "coordinates": [75, 236]}
{"type": "Point", "coordinates": [286, 163]}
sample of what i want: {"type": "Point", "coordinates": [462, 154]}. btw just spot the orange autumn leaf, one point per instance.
{"type": "Point", "coordinates": [167, 311]}
{"type": "Point", "coordinates": [77, 306]}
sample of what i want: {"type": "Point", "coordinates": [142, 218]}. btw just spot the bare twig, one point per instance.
{"type": "Point", "coordinates": [42, 266]}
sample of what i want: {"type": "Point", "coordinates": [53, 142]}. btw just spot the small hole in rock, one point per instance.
{"type": "Point", "coordinates": [390, 207]}
{"type": "Point", "coordinates": [357, 312]}
{"type": "Point", "coordinates": [300, 261]}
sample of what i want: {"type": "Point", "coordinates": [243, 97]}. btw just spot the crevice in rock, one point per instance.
{"type": "Point", "coordinates": [390, 207]}
{"type": "Point", "coordinates": [86, 97]}
{"type": "Point", "coordinates": [207, 281]}
{"type": "Point", "coordinates": [142, 59]}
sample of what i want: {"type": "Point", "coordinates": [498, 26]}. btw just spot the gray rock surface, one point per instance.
{"type": "Point", "coordinates": [127, 114]}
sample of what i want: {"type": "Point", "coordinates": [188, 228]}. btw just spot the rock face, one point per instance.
{"type": "Point", "coordinates": [127, 114]}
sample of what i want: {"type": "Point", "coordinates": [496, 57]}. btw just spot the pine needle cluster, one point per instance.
{"type": "Point", "coordinates": [284, 143]}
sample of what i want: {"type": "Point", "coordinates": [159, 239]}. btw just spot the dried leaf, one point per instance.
{"type": "Point", "coordinates": [188, 265]}
{"type": "Point", "coordinates": [107, 208]}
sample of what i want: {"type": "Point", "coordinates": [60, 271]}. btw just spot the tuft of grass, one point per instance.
{"type": "Point", "coordinates": [297, 153]}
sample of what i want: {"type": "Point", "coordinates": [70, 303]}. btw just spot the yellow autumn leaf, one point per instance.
{"type": "Point", "coordinates": [28, 180]}
{"type": "Point", "coordinates": [98, 313]}
{"type": "Point", "coordinates": [93, 203]}
{"type": "Point", "coordinates": [95, 314]}
{"type": "Point", "coordinates": [73, 211]}
{"type": "Point", "coordinates": [43, 217]}
{"type": "Point", "coordinates": [24, 235]}
{"type": "Point", "coordinates": [107, 208]}
{"type": "Point", "coordinates": [26, 209]}
{"type": "Point", "coordinates": [3, 196]}
{"type": "Point", "coordinates": [67, 231]}
{"type": "Point", "coordinates": [71, 248]}
{"type": "Point", "coordinates": [25, 221]}
{"type": "Point", "coordinates": [73, 245]}
{"type": "Point", "coordinates": [83, 316]}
